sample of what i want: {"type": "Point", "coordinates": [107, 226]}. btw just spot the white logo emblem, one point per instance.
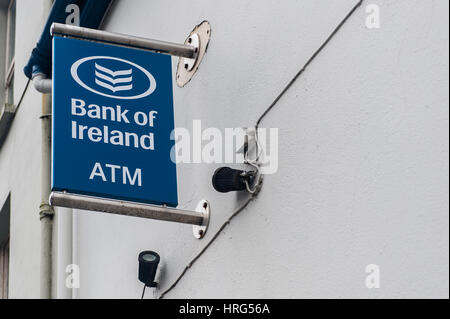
{"type": "Point", "coordinates": [116, 80]}
{"type": "Point", "coordinates": [119, 80]}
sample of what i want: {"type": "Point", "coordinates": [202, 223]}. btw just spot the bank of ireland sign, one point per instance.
{"type": "Point", "coordinates": [112, 121]}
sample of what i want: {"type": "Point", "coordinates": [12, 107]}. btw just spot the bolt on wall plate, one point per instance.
{"type": "Point", "coordinates": [194, 41]}
{"type": "Point", "coordinates": [200, 231]}
{"type": "Point", "coordinates": [199, 39]}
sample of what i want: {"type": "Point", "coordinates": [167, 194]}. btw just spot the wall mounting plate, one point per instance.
{"type": "Point", "coordinates": [200, 231]}
{"type": "Point", "coordinates": [194, 41]}
{"type": "Point", "coordinates": [199, 38]}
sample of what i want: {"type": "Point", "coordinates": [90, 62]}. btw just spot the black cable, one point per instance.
{"type": "Point", "coordinates": [189, 265]}
{"type": "Point", "coordinates": [23, 93]}
{"type": "Point", "coordinates": [143, 292]}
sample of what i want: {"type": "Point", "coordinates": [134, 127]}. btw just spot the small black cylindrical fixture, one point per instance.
{"type": "Point", "coordinates": [148, 264]}
{"type": "Point", "coordinates": [226, 179]}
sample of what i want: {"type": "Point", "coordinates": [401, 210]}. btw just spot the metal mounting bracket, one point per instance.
{"type": "Point", "coordinates": [182, 50]}
{"type": "Point", "coordinates": [199, 231]}
{"type": "Point", "coordinates": [194, 41]}
{"type": "Point", "coordinates": [199, 39]}
{"type": "Point", "coordinates": [199, 218]}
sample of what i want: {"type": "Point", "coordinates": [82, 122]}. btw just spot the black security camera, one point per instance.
{"type": "Point", "coordinates": [148, 264]}
{"type": "Point", "coordinates": [226, 180]}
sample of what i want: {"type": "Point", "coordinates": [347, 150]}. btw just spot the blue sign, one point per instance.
{"type": "Point", "coordinates": [112, 122]}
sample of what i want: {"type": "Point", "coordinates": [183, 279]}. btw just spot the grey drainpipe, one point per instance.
{"type": "Point", "coordinates": [46, 212]}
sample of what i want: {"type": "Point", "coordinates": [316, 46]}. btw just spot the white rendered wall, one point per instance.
{"type": "Point", "coordinates": [363, 156]}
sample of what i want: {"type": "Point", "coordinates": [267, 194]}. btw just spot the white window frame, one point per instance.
{"type": "Point", "coordinates": [9, 74]}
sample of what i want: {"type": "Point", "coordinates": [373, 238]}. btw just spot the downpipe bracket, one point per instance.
{"type": "Point", "coordinates": [46, 210]}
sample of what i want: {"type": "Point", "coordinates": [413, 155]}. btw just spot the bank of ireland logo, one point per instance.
{"type": "Point", "coordinates": [113, 77]}
{"type": "Point", "coordinates": [114, 81]}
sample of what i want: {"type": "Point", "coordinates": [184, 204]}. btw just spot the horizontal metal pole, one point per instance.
{"type": "Point", "coordinates": [181, 50]}
{"type": "Point", "coordinates": [119, 207]}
